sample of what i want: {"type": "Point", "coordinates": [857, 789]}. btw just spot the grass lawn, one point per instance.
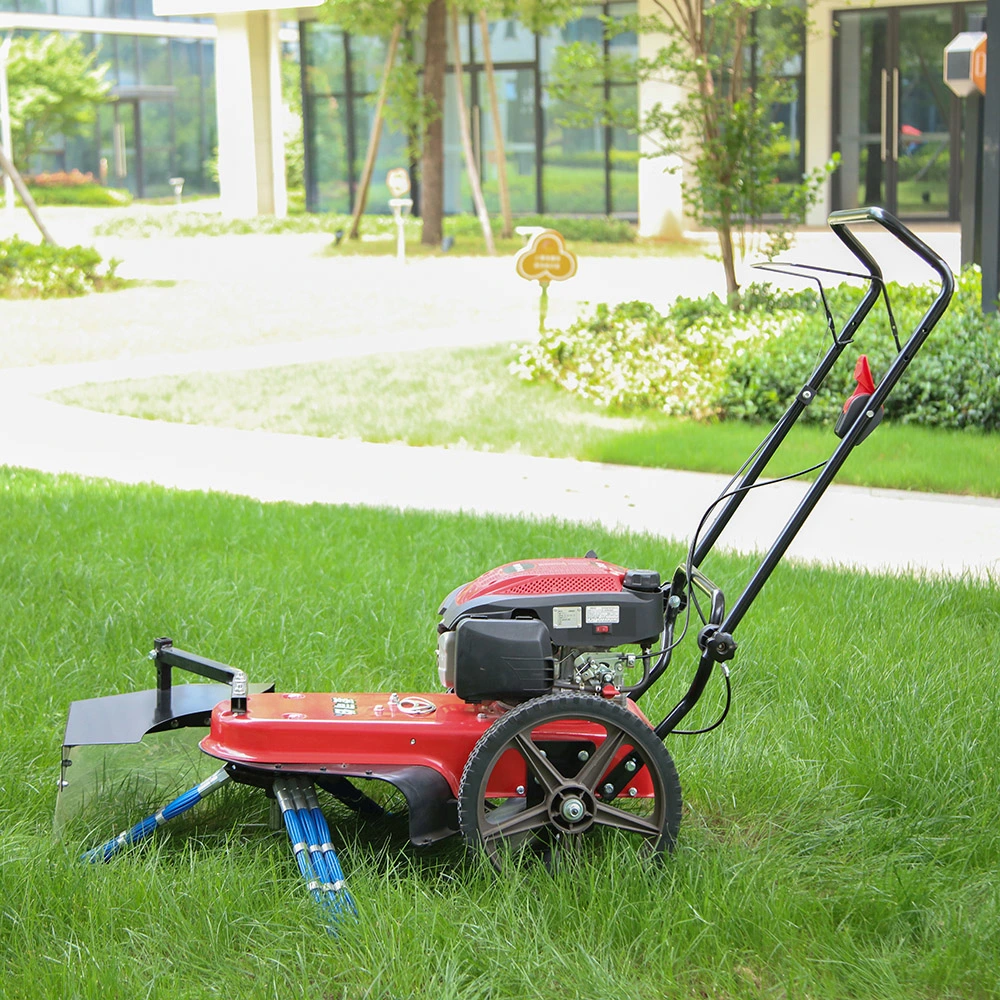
{"type": "Point", "coordinates": [840, 834]}
{"type": "Point", "coordinates": [467, 397]}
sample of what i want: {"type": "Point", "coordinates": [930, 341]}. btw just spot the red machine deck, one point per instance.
{"type": "Point", "coordinates": [346, 733]}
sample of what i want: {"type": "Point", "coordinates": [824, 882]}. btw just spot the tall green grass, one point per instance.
{"type": "Point", "coordinates": [467, 397]}
{"type": "Point", "coordinates": [841, 835]}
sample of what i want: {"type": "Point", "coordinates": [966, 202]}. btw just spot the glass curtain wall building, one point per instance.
{"type": "Point", "coordinates": [160, 121]}
{"type": "Point", "coordinates": [550, 168]}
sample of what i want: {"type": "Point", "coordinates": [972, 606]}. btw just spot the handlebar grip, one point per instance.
{"type": "Point", "coordinates": [838, 221]}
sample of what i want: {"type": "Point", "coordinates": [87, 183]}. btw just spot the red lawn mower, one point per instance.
{"type": "Point", "coordinates": [536, 743]}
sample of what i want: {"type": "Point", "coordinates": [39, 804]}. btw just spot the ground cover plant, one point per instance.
{"type": "Point", "coordinates": [699, 359]}
{"type": "Point", "coordinates": [594, 236]}
{"type": "Point", "coordinates": [44, 270]}
{"type": "Point", "coordinates": [453, 398]}
{"type": "Point", "coordinates": [840, 835]}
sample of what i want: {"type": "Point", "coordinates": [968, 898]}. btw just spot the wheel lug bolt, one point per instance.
{"type": "Point", "coordinates": [633, 792]}
{"type": "Point", "coordinates": [630, 766]}
{"type": "Point", "coordinates": [583, 755]}
{"type": "Point", "coordinates": [520, 789]}
{"type": "Point", "coordinates": [609, 789]}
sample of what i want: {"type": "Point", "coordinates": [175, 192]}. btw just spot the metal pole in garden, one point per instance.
{"type": "Point", "coordinates": [8, 184]}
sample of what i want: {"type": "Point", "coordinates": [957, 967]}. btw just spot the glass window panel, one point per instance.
{"type": "Point", "coordinates": [154, 61]}
{"type": "Point", "coordinates": [516, 103]}
{"type": "Point", "coordinates": [123, 8]}
{"type": "Point", "coordinates": [573, 177]}
{"type": "Point", "coordinates": [325, 59]}
{"type": "Point", "coordinates": [624, 170]}
{"type": "Point", "coordinates": [128, 64]}
{"type": "Point", "coordinates": [626, 43]}
{"type": "Point", "coordinates": [367, 63]}
{"type": "Point", "coordinates": [457, 193]}
{"type": "Point", "coordinates": [8, 6]}
{"type": "Point", "coordinates": [391, 153]}
{"type": "Point", "coordinates": [157, 143]}
{"type": "Point", "coordinates": [188, 154]}
{"type": "Point", "coordinates": [209, 124]}
{"type": "Point", "coordinates": [81, 153]}
{"type": "Point", "coordinates": [463, 39]}
{"type": "Point", "coordinates": [144, 9]}
{"type": "Point", "coordinates": [329, 146]}
{"type": "Point", "coordinates": [587, 28]}
{"type": "Point", "coordinates": [510, 41]}
{"type": "Point", "coordinates": [81, 8]}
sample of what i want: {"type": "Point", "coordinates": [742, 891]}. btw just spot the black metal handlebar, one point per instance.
{"type": "Point", "coordinates": [839, 222]}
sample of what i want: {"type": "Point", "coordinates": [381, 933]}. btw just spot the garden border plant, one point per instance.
{"type": "Point", "coordinates": [46, 270]}
{"type": "Point", "coordinates": [702, 360]}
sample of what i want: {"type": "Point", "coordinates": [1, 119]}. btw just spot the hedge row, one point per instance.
{"type": "Point", "coordinates": [703, 360]}
{"type": "Point", "coordinates": [43, 271]}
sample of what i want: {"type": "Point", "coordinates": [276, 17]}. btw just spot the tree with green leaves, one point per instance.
{"type": "Point", "coordinates": [55, 88]}
{"type": "Point", "coordinates": [730, 59]}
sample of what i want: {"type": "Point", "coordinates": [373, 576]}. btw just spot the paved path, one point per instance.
{"type": "Point", "coordinates": [875, 529]}
{"type": "Point", "coordinates": [235, 287]}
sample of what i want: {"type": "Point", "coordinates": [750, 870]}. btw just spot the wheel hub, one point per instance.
{"type": "Point", "coordinates": [572, 809]}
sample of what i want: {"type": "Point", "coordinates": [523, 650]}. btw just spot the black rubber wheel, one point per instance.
{"type": "Point", "coordinates": [564, 796]}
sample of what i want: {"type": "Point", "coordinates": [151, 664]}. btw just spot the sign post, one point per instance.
{"type": "Point", "coordinates": [398, 183]}
{"type": "Point", "coordinates": [546, 258]}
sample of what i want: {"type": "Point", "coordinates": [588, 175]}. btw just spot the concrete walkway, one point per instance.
{"type": "Point", "coordinates": [874, 529]}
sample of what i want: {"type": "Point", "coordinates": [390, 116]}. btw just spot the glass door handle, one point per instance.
{"type": "Point", "coordinates": [895, 114]}
{"type": "Point", "coordinates": [885, 108]}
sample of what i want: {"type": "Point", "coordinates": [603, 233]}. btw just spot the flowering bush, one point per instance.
{"type": "Point", "coordinates": [631, 357]}
{"type": "Point", "coordinates": [703, 360]}
{"type": "Point", "coordinates": [60, 178]}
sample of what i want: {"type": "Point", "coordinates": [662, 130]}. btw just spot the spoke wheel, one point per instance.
{"type": "Point", "coordinates": [563, 803]}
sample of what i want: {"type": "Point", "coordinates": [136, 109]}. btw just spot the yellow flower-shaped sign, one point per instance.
{"type": "Point", "coordinates": [546, 258]}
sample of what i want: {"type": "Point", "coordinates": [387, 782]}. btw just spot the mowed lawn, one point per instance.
{"type": "Point", "coordinates": [841, 831]}
{"type": "Point", "coordinates": [467, 397]}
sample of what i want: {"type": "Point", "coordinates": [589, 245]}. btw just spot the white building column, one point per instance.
{"type": "Point", "coordinates": [661, 207]}
{"type": "Point", "coordinates": [248, 101]}
{"type": "Point", "coordinates": [819, 98]}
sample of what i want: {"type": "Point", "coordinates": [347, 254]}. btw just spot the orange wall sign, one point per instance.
{"type": "Point", "coordinates": [979, 65]}
{"type": "Point", "coordinates": [546, 258]}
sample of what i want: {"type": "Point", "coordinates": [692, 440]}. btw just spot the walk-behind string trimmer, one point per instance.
{"type": "Point", "coordinates": [537, 744]}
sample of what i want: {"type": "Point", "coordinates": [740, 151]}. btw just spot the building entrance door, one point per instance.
{"type": "Point", "coordinates": [121, 146]}
{"type": "Point", "coordinates": [896, 125]}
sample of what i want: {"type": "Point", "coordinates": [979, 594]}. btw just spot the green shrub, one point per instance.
{"type": "Point", "coordinates": [704, 360]}
{"type": "Point", "coordinates": [632, 358]}
{"type": "Point", "coordinates": [599, 229]}
{"type": "Point", "coordinates": [92, 195]}
{"type": "Point", "coordinates": [953, 382]}
{"type": "Point", "coordinates": [43, 271]}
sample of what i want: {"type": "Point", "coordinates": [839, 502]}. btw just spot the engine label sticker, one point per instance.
{"type": "Point", "coordinates": [603, 614]}
{"type": "Point", "coordinates": [567, 617]}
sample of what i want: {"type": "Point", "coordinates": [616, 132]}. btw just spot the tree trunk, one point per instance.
{"type": "Point", "coordinates": [463, 128]}
{"type": "Point", "coordinates": [725, 231]}
{"type": "Point", "coordinates": [361, 196]}
{"type": "Point", "coordinates": [8, 168]}
{"type": "Point", "coordinates": [499, 148]}
{"type": "Point", "coordinates": [432, 161]}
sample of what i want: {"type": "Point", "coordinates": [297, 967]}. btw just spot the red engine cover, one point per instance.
{"type": "Point", "coordinates": [546, 576]}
